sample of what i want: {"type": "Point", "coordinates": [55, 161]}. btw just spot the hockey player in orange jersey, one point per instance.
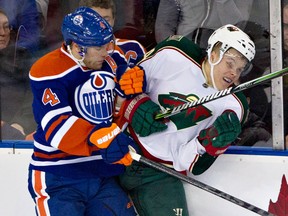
{"type": "Point", "coordinates": [78, 150]}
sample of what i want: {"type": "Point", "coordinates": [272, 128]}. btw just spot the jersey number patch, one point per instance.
{"type": "Point", "coordinates": [50, 97]}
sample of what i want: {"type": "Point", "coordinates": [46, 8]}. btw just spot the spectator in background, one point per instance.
{"type": "Point", "coordinates": [16, 114]}
{"type": "Point", "coordinates": [132, 49]}
{"type": "Point", "coordinates": [192, 18]}
{"type": "Point", "coordinates": [261, 65]}
{"type": "Point", "coordinates": [24, 19]}
{"type": "Point", "coordinates": [42, 8]}
{"type": "Point", "coordinates": [257, 128]}
{"type": "Point", "coordinates": [136, 21]}
{"type": "Point", "coordinates": [52, 35]}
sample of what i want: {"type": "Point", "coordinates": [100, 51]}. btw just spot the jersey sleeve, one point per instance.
{"type": "Point", "coordinates": [244, 106]}
{"type": "Point", "coordinates": [62, 129]}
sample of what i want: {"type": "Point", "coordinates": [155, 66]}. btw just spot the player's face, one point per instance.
{"type": "Point", "coordinates": [4, 31]}
{"type": "Point", "coordinates": [229, 69]}
{"type": "Point", "coordinates": [107, 14]}
{"type": "Point", "coordinates": [95, 56]}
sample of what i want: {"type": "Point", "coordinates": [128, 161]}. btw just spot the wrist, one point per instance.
{"type": "Point", "coordinates": [104, 136]}
{"type": "Point", "coordinates": [132, 104]}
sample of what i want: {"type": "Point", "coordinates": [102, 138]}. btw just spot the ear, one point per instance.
{"type": "Point", "coordinates": [76, 47]}
{"type": "Point", "coordinates": [214, 57]}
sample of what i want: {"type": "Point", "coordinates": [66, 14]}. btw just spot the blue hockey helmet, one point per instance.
{"type": "Point", "coordinates": [86, 28]}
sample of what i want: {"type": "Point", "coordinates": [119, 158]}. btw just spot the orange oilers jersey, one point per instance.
{"type": "Point", "coordinates": [69, 100]}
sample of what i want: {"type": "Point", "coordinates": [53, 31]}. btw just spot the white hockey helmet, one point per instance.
{"type": "Point", "coordinates": [232, 37]}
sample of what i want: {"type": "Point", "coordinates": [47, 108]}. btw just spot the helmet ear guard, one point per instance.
{"type": "Point", "coordinates": [82, 51]}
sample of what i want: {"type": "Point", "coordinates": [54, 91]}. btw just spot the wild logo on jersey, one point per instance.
{"type": "Point", "coordinates": [95, 98]}
{"type": "Point", "coordinates": [187, 118]}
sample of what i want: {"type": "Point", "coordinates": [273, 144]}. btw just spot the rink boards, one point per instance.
{"type": "Point", "coordinates": [255, 175]}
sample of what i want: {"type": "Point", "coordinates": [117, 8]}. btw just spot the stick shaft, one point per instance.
{"type": "Point", "coordinates": [199, 184]}
{"type": "Point", "coordinates": [222, 93]}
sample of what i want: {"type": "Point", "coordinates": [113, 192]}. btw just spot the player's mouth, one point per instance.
{"type": "Point", "coordinates": [227, 80]}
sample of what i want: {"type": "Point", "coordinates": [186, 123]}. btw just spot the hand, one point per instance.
{"type": "Point", "coordinates": [9, 132]}
{"type": "Point", "coordinates": [217, 138]}
{"type": "Point", "coordinates": [113, 144]}
{"type": "Point", "coordinates": [140, 112]}
{"type": "Point", "coordinates": [132, 81]}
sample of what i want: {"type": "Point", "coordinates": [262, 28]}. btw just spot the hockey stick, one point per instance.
{"type": "Point", "coordinates": [252, 83]}
{"type": "Point", "coordinates": [198, 184]}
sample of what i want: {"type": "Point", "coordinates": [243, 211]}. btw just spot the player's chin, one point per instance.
{"type": "Point", "coordinates": [223, 86]}
{"type": "Point", "coordinates": [95, 65]}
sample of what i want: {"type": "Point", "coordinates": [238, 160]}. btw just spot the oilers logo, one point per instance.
{"type": "Point", "coordinates": [78, 20]}
{"type": "Point", "coordinates": [95, 98]}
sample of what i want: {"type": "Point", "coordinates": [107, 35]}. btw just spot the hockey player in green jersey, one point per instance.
{"type": "Point", "coordinates": [176, 73]}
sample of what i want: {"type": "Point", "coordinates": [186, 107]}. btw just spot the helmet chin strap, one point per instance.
{"type": "Point", "coordinates": [80, 61]}
{"type": "Point", "coordinates": [212, 75]}
{"type": "Point", "coordinates": [212, 68]}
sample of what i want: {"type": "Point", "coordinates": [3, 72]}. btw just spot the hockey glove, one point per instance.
{"type": "Point", "coordinates": [113, 144]}
{"type": "Point", "coordinates": [131, 82]}
{"type": "Point", "coordinates": [140, 112]}
{"type": "Point", "coordinates": [217, 138]}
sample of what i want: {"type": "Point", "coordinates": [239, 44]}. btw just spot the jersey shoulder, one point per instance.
{"type": "Point", "coordinates": [129, 43]}
{"type": "Point", "coordinates": [132, 49]}
{"type": "Point", "coordinates": [181, 44]}
{"type": "Point", "coordinates": [52, 64]}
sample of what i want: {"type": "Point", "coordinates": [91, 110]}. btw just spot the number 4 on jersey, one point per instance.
{"type": "Point", "coordinates": [50, 97]}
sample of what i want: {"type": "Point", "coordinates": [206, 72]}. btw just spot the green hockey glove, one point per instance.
{"type": "Point", "coordinates": [140, 112]}
{"type": "Point", "coordinates": [217, 138]}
